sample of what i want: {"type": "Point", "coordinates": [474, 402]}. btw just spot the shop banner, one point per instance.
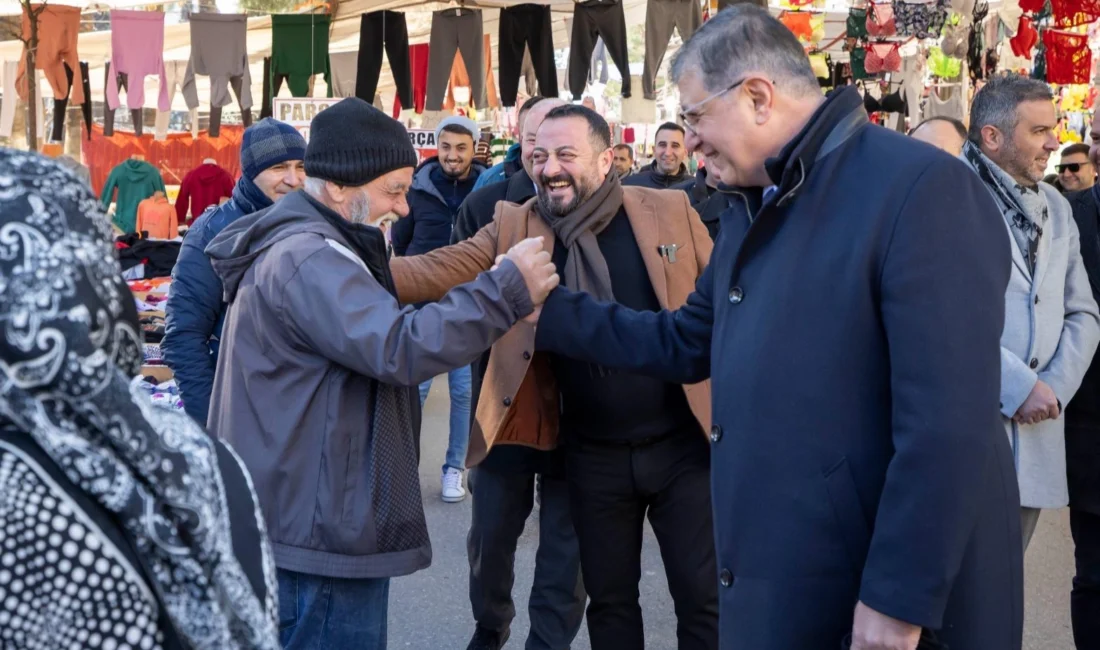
{"type": "Point", "coordinates": [300, 111]}
{"type": "Point", "coordinates": [423, 140]}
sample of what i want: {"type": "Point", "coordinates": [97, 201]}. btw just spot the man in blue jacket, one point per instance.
{"type": "Point", "coordinates": [439, 187]}
{"type": "Point", "coordinates": [271, 167]}
{"type": "Point", "coordinates": [850, 321]}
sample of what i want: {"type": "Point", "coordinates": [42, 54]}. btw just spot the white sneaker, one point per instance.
{"type": "Point", "coordinates": [453, 492]}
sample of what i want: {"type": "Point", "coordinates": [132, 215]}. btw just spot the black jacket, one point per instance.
{"type": "Point", "coordinates": [478, 209]}
{"type": "Point", "coordinates": [1083, 412]}
{"type": "Point", "coordinates": [430, 221]}
{"type": "Point", "coordinates": [651, 178]}
{"type": "Point", "coordinates": [857, 447]}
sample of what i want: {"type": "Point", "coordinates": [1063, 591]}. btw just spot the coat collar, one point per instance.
{"type": "Point", "coordinates": [520, 187]}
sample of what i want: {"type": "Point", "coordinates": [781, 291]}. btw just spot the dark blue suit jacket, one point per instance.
{"type": "Point", "coordinates": [851, 329]}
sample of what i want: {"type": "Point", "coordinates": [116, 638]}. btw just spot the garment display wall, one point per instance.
{"type": "Point", "coordinates": [388, 30]}
{"type": "Point", "coordinates": [526, 35]}
{"type": "Point", "coordinates": [455, 30]}
{"type": "Point", "coordinates": [591, 20]}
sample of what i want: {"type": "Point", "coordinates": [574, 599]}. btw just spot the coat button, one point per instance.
{"type": "Point", "coordinates": [1036, 300]}
{"type": "Point", "coordinates": [507, 401]}
{"type": "Point", "coordinates": [725, 578]}
{"type": "Point", "coordinates": [715, 433]}
{"type": "Point", "coordinates": [1034, 364]}
{"type": "Point", "coordinates": [526, 355]}
{"type": "Point", "coordinates": [737, 294]}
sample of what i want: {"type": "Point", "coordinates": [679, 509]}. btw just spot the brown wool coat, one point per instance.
{"type": "Point", "coordinates": [519, 402]}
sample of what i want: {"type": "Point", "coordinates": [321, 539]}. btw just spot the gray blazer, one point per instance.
{"type": "Point", "coordinates": [1052, 328]}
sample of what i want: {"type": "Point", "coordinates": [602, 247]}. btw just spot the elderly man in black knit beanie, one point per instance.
{"type": "Point", "coordinates": [317, 376]}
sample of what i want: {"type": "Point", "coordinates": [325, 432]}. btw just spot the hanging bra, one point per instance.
{"type": "Point", "coordinates": [822, 65]}
{"type": "Point", "coordinates": [892, 103]}
{"type": "Point", "coordinates": [857, 23]}
{"type": "Point", "coordinates": [883, 57]}
{"type": "Point", "coordinates": [880, 20]}
{"type": "Point", "coordinates": [921, 19]}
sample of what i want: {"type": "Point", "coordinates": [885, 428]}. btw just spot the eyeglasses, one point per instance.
{"type": "Point", "coordinates": [690, 115]}
{"type": "Point", "coordinates": [1073, 167]}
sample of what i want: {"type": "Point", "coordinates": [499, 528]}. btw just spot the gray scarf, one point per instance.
{"type": "Point", "coordinates": [1024, 209]}
{"type": "Point", "coordinates": [585, 267]}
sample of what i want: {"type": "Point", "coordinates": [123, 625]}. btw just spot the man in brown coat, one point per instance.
{"type": "Point", "coordinates": [633, 446]}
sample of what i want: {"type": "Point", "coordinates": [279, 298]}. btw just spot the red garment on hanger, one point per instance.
{"type": "Point", "coordinates": [882, 57]}
{"type": "Point", "coordinates": [1025, 39]}
{"type": "Point", "coordinates": [1070, 13]}
{"type": "Point", "coordinates": [880, 20]}
{"type": "Point", "coordinates": [418, 61]}
{"type": "Point", "coordinates": [799, 24]}
{"type": "Point", "coordinates": [1069, 59]}
{"type": "Point", "coordinates": [1032, 6]}
{"type": "Point", "coordinates": [628, 135]}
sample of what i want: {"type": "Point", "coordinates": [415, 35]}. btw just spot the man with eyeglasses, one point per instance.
{"type": "Point", "coordinates": [1075, 171]}
{"type": "Point", "coordinates": [850, 320]}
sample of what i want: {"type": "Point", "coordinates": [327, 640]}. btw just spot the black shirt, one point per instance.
{"type": "Point", "coordinates": [607, 404]}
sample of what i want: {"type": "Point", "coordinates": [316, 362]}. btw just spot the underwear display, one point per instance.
{"type": "Point", "coordinates": [1068, 57]}
{"type": "Point", "coordinates": [856, 26]}
{"type": "Point", "coordinates": [882, 57]}
{"type": "Point", "coordinates": [921, 19]}
{"type": "Point", "coordinates": [880, 20]}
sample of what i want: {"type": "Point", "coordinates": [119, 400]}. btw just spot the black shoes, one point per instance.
{"type": "Point", "coordinates": [485, 639]}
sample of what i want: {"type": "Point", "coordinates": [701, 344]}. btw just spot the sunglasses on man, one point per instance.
{"type": "Point", "coordinates": [1073, 167]}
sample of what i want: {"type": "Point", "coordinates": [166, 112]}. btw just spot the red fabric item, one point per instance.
{"type": "Point", "coordinates": [204, 186]}
{"type": "Point", "coordinates": [1025, 39]}
{"type": "Point", "coordinates": [799, 24]}
{"type": "Point", "coordinates": [1032, 6]}
{"type": "Point", "coordinates": [418, 59]}
{"type": "Point", "coordinates": [882, 57]}
{"type": "Point", "coordinates": [628, 135]}
{"type": "Point", "coordinates": [880, 20]}
{"type": "Point", "coordinates": [1070, 13]}
{"type": "Point", "coordinates": [1069, 59]}
{"type": "Point", "coordinates": [174, 157]}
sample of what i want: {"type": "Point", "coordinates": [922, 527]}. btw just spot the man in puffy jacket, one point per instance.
{"type": "Point", "coordinates": [272, 167]}
{"type": "Point", "coordinates": [439, 187]}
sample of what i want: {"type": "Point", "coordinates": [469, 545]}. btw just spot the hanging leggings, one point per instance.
{"type": "Point", "coordinates": [660, 18]}
{"type": "Point", "coordinates": [109, 113]}
{"type": "Point", "coordinates": [591, 20]}
{"type": "Point", "coordinates": [59, 105]}
{"type": "Point", "coordinates": [419, 55]}
{"type": "Point", "coordinates": [455, 30]}
{"type": "Point", "coordinates": [376, 29]}
{"type": "Point", "coordinates": [526, 25]}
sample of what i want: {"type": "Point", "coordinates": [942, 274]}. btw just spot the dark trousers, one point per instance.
{"type": "Point", "coordinates": [501, 504]}
{"type": "Point", "coordinates": [59, 105]}
{"type": "Point", "coordinates": [526, 25]}
{"type": "Point", "coordinates": [1085, 597]}
{"type": "Point", "coordinates": [613, 488]}
{"type": "Point", "coordinates": [454, 31]}
{"type": "Point", "coordinates": [592, 20]}
{"type": "Point", "coordinates": [375, 29]}
{"type": "Point", "coordinates": [109, 113]}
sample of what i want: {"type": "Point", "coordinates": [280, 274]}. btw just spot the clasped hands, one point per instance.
{"type": "Point", "coordinates": [1041, 404]}
{"type": "Point", "coordinates": [537, 268]}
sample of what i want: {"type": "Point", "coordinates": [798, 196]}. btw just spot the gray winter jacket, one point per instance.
{"type": "Point", "coordinates": [311, 386]}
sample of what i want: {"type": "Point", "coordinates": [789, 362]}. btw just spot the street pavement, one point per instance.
{"type": "Point", "coordinates": [430, 610]}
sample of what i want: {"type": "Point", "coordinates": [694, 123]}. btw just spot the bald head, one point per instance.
{"type": "Point", "coordinates": [530, 127]}
{"type": "Point", "coordinates": [944, 134]}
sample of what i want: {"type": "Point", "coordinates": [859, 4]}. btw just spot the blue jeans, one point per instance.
{"type": "Point", "coordinates": [458, 381]}
{"type": "Point", "coordinates": [316, 612]}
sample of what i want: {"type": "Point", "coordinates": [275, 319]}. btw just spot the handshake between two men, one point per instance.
{"type": "Point", "coordinates": [537, 268]}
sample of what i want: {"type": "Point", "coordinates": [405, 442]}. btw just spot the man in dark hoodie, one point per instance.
{"type": "Point", "coordinates": [271, 168]}
{"type": "Point", "coordinates": [439, 187]}
{"type": "Point", "coordinates": [667, 169]}
{"type": "Point", "coordinates": [316, 380]}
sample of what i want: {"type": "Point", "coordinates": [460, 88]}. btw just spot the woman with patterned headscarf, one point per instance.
{"type": "Point", "coordinates": [122, 524]}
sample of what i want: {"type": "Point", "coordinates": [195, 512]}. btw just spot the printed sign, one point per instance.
{"type": "Point", "coordinates": [300, 111]}
{"type": "Point", "coordinates": [423, 140]}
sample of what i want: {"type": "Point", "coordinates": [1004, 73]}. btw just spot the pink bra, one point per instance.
{"type": "Point", "coordinates": [883, 57]}
{"type": "Point", "coordinates": [880, 20]}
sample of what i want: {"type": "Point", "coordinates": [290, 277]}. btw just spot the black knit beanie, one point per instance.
{"type": "Point", "coordinates": [352, 143]}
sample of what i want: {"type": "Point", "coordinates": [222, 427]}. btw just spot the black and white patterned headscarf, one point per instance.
{"type": "Point", "coordinates": [69, 348]}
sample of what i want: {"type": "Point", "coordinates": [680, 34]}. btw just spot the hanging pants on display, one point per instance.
{"type": "Point", "coordinates": [123, 81]}
{"type": "Point", "coordinates": [218, 50]}
{"type": "Point", "coordinates": [299, 50]}
{"type": "Point", "coordinates": [660, 18]}
{"type": "Point", "coordinates": [593, 20]}
{"type": "Point", "coordinates": [58, 27]}
{"type": "Point", "coordinates": [137, 50]}
{"type": "Point", "coordinates": [344, 67]}
{"type": "Point", "coordinates": [455, 30]}
{"type": "Point", "coordinates": [174, 73]}
{"type": "Point", "coordinates": [378, 29]}
{"type": "Point", "coordinates": [59, 105]}
{"type": "Point", "coordinates": [526, 25]}
{"type": "Point", "coordinates": [419, 55]}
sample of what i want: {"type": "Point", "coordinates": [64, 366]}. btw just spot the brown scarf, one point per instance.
{"type": "Point", "coordinates": [585, 267]}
